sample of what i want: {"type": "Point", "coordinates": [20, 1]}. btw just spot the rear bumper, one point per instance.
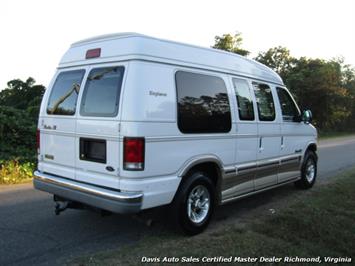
{"type": "Point", "coordinates": [107, 199]}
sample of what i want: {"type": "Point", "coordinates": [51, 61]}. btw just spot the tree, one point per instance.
{"type": "Point", "coordinates": [318, 86]}
{"type": "Point", "coordinates": [348, 83]}
{"type": "Point", "coordinates": [23, 95]}
{"type": "Point", "coordinates": [325, 87]}
{"type": "Point", "coordinates": [230, 43]}
{"type": "Point", "coordinates": [278, 58]}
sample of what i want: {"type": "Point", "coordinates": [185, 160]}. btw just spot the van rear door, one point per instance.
{"type": "Point", "coordinates": [58, 123]}
{"type": "Point", "coordinates": [97, 131]}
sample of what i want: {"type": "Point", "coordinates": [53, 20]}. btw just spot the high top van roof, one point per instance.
{"type": "Point", "coordinates": [134, 46]}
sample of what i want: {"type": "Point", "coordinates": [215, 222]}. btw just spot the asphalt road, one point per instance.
{"type": "Point", "coordinates": [30, 233]}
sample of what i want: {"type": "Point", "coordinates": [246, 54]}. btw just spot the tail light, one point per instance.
{"type": "Point", "coordinates": [38, 140]}
{"type": "Point", "coordinates": [133, 153]}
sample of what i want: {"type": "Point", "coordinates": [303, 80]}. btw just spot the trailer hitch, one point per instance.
{"type": "Point", "coordinates": [61, 204]}
{"type": "Point", "coordinates": [60, 207]}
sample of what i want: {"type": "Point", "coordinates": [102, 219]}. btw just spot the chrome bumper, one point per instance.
{"type": "Point", "coordinates": [103, 198]}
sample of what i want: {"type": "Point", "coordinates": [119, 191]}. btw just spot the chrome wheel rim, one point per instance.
{"type": "Point", "coordinates": [310, 170]}
{"type": "Point", "coordinates": [198, 204]}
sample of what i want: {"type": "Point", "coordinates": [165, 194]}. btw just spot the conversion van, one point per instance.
{"type": "Point", "coordinates": [130, 122]}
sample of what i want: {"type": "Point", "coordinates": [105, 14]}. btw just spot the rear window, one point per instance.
{"type": "Point", "coordinates": [203, 105]}
{"type": "Point", "coordinates": [102, 92]}
{"type": "Point", "coordinates": [64, 94]}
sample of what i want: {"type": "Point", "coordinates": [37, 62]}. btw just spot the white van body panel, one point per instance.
{"type": "Point", "coordinates": [252, 156]}
{"type": "Point", "coordinates": [150, 86]}
{"type": "Point", "coordinates": [158, 121]}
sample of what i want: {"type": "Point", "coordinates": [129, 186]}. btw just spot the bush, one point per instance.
{"type": "Point", "coordinates": [17, 135]}
{"type": "Point", "coordinates": [17, 146]}
{"type": "Point", "coordinates": [13, 172]}
{"type": "Point", "coordinates": [19, 106]}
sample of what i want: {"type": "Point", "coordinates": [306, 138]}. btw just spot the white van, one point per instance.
{"type": "Point", "coordinates": [130, 122]}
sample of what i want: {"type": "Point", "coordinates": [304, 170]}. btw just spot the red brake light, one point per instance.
{"type": "Point", "coordinates": [133, 153]}
{"type": "Point", "coordinates": [38, 140]}
{"type": "Point", "coordinates": [93, 53]}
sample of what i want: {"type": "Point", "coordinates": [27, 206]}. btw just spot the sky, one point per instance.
{"type": "Point", "coordinates": [34, 34]}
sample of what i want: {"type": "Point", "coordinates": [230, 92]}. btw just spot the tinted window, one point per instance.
{"type": "Point", "coordinates": [265, 102]}
{"type": "Point", "coordinates": [244, 99]}
{"type": "Point", "coordinates": [102, 92]}
{"type": "Point", "coordinates": [289, 109]}
{"type": "Point", "coordinates": [203, 105]}
{"type": "Point", "coordinates": [64, 94]}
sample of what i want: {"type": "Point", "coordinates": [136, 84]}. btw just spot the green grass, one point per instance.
{"type": "Point", "coordinates": [318, 223]}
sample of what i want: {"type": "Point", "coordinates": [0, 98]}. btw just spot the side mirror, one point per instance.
{"type": "Point", "coordinates": [307, 116]}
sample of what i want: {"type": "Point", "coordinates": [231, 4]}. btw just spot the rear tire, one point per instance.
{"type": "Point", "coordinates": [308, 171]}
{"type": "Point", "coordinates": [194, 203]}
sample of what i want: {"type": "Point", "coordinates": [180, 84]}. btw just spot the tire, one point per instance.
{"type": "Point", "coordinates": [194, 203]}
{"type": "Point", "coordinates": [308, 171]}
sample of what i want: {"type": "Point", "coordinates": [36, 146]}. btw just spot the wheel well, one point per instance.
{"type": "Point", "coordinates": [212, 170]}
{"type": "Point", "coordinates": [312, 147]}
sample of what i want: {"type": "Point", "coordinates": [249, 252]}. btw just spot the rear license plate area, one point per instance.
{"type": "Point", "coordinates": [93, 150]}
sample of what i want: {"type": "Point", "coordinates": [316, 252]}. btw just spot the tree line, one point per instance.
{"type": "Point", "coordinates": [327, 87]}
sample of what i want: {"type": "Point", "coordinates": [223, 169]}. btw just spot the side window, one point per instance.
{"type": "Point", "coordinates": [244, 99]}
{"type": "Point", "coordinates": [64, 94]}
{"type": "Point", "coordinates": [102, 92]}
{"type": "Point", "coordinates": [265, 102]}
{"type": "Point", "coordinates": [203, 105]}
{"type": "Point", "coordinates": [289, 109]}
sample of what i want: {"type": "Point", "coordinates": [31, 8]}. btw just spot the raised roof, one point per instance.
{"type": "Point", "coordinates": [129, 46]}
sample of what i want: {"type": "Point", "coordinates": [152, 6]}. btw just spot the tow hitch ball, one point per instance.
{"type": "Point", "coordinates": [60, 207]}
{"type": "Point", "coordinates": [63, 204]}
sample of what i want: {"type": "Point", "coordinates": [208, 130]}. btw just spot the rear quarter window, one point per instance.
{"type": "Point", "coordinates": [102, 92]}
{"type": "Point", "coordinates": [203, 105]}
{"type": "Point", "coordinates": [64, 94]}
